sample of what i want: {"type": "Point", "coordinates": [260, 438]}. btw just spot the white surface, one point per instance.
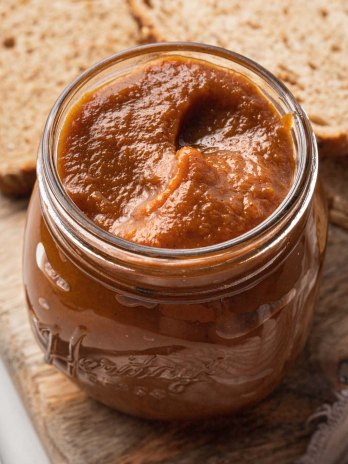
{"type": "Point", "coordinates": [19, 443]}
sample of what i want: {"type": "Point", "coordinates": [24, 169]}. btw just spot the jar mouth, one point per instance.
{"type": "Point", "coordinates": [307, 156]}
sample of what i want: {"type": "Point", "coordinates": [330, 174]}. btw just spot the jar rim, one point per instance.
{"type": "Point", "coordinates": [307, 155]}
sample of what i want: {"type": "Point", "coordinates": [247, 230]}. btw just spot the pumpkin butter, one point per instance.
{"type": "Point", "coordinates": [176, 146]}
{"type": "Point", "coordinates": [179, 153]}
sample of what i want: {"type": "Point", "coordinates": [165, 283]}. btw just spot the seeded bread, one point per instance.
{"type": "Point", "coordinates": [43, 46]}
{"type": "Point", "coordinates": [304, 43]}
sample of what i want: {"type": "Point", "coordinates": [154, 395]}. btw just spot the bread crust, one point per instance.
{"type": "Point", "coordinates": [19, 182]}
{"type": "Point", "coordinates": [331, 144]}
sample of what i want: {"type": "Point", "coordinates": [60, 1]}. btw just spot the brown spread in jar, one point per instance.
{"type": "Point", "coordinates": [177, 154]}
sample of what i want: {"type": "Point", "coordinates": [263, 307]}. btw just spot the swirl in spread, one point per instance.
{"type": "Point", "coordinates": [178, 153]}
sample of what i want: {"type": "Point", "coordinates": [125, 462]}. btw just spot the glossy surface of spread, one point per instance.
{"type": "Point", "coordinates": [177, 154]}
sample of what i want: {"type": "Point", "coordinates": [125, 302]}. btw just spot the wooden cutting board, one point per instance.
{"type": "Point", "coordinates": [78, 430]}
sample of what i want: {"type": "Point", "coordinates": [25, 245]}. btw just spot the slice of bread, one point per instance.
{"type": "Point", "coordinates": [43, 46]}
{"type": "Point", "coordinates": [303, 43]}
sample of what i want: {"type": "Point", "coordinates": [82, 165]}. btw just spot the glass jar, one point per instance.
{"type": "Point", "coordinates": [174, 334]}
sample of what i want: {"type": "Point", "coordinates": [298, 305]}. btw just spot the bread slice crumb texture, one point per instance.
{"type": "Point", "coordinates": [44, 45]}
{"type": "Point", "coordinates": [305, 44]}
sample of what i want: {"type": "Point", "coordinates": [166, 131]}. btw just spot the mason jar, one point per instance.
{"type": "Point", "coordinates": [174, 333]}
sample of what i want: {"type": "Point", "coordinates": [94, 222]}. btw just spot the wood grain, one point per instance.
{"type": "Point", "coordinates": [76, 429]}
